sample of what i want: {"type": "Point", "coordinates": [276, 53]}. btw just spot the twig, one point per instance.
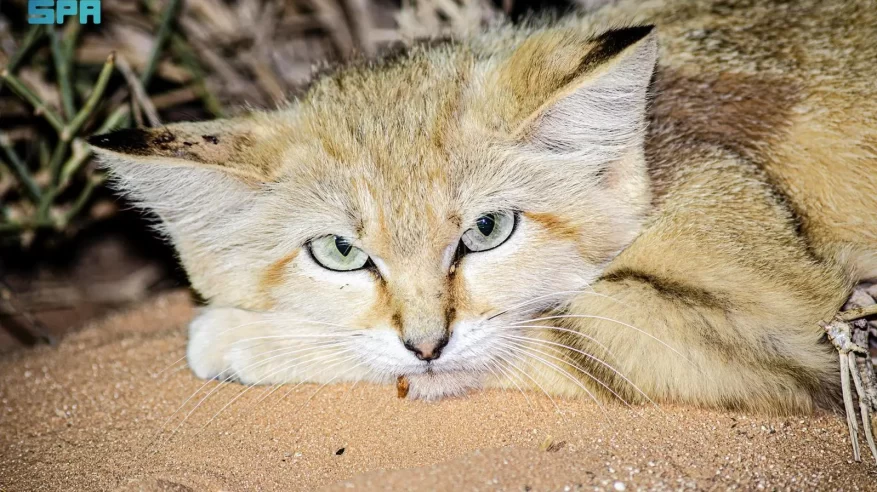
{"type": "Point", "coordinates": [138, 92]}
{"type": "Point", "coordinates": [68, 132]}
{"type": "Point", "coordinates": [30, 39]}
{"type": "Point", "coordinates": [81, 153]}
{"type": "Point", "coordinates": [175, 97]}
{"type": "Point", "coordinates": [62, 71]}
{"type": "Point", "coordinates": [20, 168]}
{"type": "Point", "coordinates": [864, 406]}
{"type": "Point", "coordinates": [164, 32]}
{"type": "Point", "coordinates": [76, 161]}
{"type": "Point", "coordinates": [187, 57]}
{"type": "Point", "coordinates": [359, 16]}
{"type": "Point", "coordinates": [52, 296]}
{"type": "Point", "coordinates": [137, 112]}
{"type": "Point", "coordinates": [73, 127]}
{"type": "Point", "coordinates": [848, 404]}
{"type": "Point", "coordinates": [333, 20]}
{"type": "Point", "coordinates": [81, 200]}
{"type": "Point", "coordinates": [850, 338]}
{"type": "Point", "coordinates": [114, 121]}
{"type": "Point", "coordinates": [857, 313]}
{"type": "Point", "coordinates": [25, 225]}
{"type": "Point", "coordinates": [39, 106]}
{"type": "Point", "coordinates": [72, 28]}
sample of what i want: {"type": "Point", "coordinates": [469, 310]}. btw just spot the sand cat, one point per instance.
{"type": "Point", "coordinates": [658, 201]}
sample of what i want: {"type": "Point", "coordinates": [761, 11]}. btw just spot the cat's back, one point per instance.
{"type": "Point", "coordinates": [789, 86]}
{"type": "Point", "coordinates": [813, 42]}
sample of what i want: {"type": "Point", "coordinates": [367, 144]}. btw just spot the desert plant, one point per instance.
{"type": "Point", "coordinates": [48, 189]}
{"type": "Point", "coordinates": [178, 59]}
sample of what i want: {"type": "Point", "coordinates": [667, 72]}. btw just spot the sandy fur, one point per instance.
{"type": "Point", "coordinates": [693, 200]}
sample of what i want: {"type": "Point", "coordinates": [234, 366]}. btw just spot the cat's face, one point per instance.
{"type": "Point", "coordinates": [411, 215]}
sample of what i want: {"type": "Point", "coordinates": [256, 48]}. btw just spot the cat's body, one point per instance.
{"type": "Point", "coordinates": [685, 251]}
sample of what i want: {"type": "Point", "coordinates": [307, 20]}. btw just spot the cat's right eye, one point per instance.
{"type": "Point", "coordinates": [337, 254]}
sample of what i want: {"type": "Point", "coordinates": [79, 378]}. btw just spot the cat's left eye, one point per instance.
{"type": "Point", "coordinates": [490, 231]}
{"type": "Point", "coordinates": [336, 253]}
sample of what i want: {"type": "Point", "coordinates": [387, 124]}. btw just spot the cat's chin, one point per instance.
{"type": "Point", "coordinates": [433, 386]}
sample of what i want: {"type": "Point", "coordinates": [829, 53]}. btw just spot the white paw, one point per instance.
{"type": "Point", "coordinates": [212, 335]}
{"type": "Point", "coordinates": [257, 348]}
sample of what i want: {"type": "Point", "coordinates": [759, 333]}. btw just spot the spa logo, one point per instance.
{"type": "Point", "coordinates": [55, 12]}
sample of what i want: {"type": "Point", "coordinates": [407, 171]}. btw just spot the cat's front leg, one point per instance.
{"type": "Point", "coordinates": [214, 350]}
{"type": "Point", "coordinates": [265, 348]}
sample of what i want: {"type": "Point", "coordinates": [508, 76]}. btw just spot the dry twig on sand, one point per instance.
{"type": "Point", "coordinates": [849, 332]}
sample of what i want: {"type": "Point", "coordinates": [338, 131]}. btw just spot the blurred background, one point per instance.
{"type": "Point", "coordinates": [70, 250]}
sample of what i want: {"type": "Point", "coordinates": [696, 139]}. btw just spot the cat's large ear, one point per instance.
{"type": "Point", "coordinates": [578, 96]}
{"type": "Point", "coordinates": [201, 180]}
{"type": "Point", "coordinates": [244, 147]}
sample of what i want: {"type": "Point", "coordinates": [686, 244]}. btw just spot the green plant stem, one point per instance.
{"type": "Point", "coordinates": [44, 154]}
{"type": "Point", "coordinates": [62, 67]}
{"type": "Point", "coordinates": [81, 200]}
{"type": "Point", "coordinates": [165, 28]}
{"type": "Point", "coordinates": [72, 128]}
{"type": "Point", "coordinates": [30, 39]}
{"type": "Point", "coordinates": [91, 103]}
{"type": "Point", "coordinates": [76, 161]}
{"type": "Point", "coordinates": [68, 132]}
{"type": "Point", "coordinates": [72, 29]}
{"type": "Point", "coordinates": [19, 168]}
{"type": "Point", "coordinates": [39, 106]}
{"type": "Point", "coordinates": [184, 52]}
{"type": "Point", "coordinates": [181, 50]}
{"type": "Point", "coordinates": [114, 121]}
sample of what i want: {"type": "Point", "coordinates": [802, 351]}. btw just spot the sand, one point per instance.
{"type": "Point", "coordinates": [97, 412]}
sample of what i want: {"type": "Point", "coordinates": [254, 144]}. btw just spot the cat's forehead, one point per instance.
{"type": "Point", "coordinates": [390, 140]}
{"type": "Point", "coordinates": [395, 115]}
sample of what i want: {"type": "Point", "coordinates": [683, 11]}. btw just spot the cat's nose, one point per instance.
{"type": "Point", "coordinates": [427, 350]}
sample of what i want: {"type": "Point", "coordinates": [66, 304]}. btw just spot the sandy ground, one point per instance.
{"type": "Point", "coordinates": [98, 413]}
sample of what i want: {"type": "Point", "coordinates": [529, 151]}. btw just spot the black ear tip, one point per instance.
{"type": "Point", "coordinates": [625, 36]}
{"type": "Point", "coordinates": [634, 33]}
{"type": "Point", "coordinates": [98, 141]}
{"type": "Point", "coordinates": [644, 29]}
{"type": "Point", "coordinates": [129, 141]}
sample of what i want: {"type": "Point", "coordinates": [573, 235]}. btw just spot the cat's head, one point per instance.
{"type": "Point", "coordinates": [424, 202]}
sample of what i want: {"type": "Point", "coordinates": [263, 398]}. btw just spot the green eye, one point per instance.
{"type": "Point", "coordinates": [490, 231]}
{"type": "Point", "coordinates": [336, 253]}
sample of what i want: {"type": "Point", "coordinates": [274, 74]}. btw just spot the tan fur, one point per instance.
{"type": "Point", "coordinates": [689, 245]}
{"type": "Point", "coordinates": [275, 275]}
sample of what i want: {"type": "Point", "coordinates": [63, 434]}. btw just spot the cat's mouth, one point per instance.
{"type": "Point", "coordinates": [434, 383]}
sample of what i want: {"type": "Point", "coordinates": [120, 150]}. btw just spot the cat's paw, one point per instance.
{"type": "Point", "coordinates": [212, 352]}
{"type": "Point", "coordinates": [259, 348]}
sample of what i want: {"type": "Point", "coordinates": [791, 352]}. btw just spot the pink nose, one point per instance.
{"type": "Point", "coordinates": [427, 350]}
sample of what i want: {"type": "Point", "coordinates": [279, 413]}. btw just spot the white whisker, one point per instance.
{"type": "Point", "coordinates": [284, 368]}
{"type": "Point", "coordinates": [224, 382]}
{"type": "Point", "coordinates": [603, 318]}
{"type": "Point", "coordinates": [531, 352]}
{"type": "Point", "coordinates": [538, 298]}
{"type": "Point", "coordinates": [508, 349]}
{"type": "Point", "coordinates": [502, 370]}
{"type": "Point", "coordinates": [596, 359]}
{"type": "Point", "coordinates": [567, 330]}
{"type": "Point", "coordinates": [574, 366]}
